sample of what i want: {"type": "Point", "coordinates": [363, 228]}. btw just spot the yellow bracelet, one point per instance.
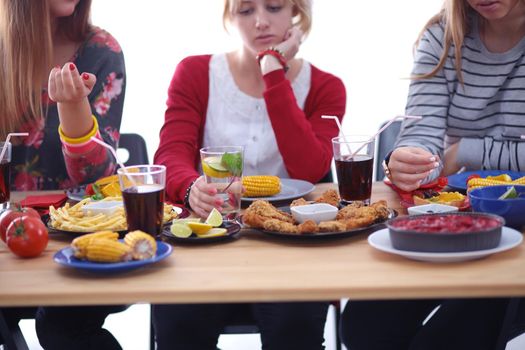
{"type": "Point", "coordinates": [81, 139]}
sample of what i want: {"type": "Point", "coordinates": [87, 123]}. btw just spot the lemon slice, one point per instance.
{"type": "Point", "coordinates": [215, 218]}
{"type": "Point", "coordinates": [213, 167]}
{"type": "Point", "coordinates": [214, 232]}
{"type": "Point", "coordinates": [509, 194]}
{"type": "Point", "coordinates": [180, 230]}
{"type": "Point", "coordinates": [198, 227]}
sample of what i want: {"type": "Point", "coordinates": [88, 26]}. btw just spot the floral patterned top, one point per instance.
{"type": "Point", "coordinates": [39, 162]}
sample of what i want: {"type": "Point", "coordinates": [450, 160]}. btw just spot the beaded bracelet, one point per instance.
{"type": "Point", "coordinates": [275, 52]}
{"type": "Point", "coordinates": [187, 195]}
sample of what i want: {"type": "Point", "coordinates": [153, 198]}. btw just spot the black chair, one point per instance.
{"type": "Point", "coordinates": [136, 148]}
{"type": "Point", "coordinates": [384, 144]}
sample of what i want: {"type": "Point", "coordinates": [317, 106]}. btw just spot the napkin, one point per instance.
{"type": "Point", "coordinates": [42, 202]}
{"type": "Point", "coordinates": [407, 197]}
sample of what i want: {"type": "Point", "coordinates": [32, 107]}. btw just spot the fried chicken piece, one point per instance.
{"type": "Point", "coordinates": [381, 208]}
{"type": "Point", "coordinates": [332, 226]}
{"type": "Point", "coordinates": [309, 226]}
{"type": "Point", "coordinates": [329, 197]}
{"type": "Point", "coordinates": [259, 211]}
{"type": "Point", "coordinates": [298, 202]}
{"type": "Point", "coordinates": [359, 222]}
{"type": "Point", "coordinates": [280, 226]}
{"type": "Point", "coordinates": [353, 210]}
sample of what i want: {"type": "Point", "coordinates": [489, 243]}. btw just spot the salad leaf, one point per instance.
{"type": "Point", "coordinates": [232, 162]}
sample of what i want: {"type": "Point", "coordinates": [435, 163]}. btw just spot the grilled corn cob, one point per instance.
{"type": "Point", "coordinates": [261, 185]}
{"type": "Point", "coordinates": [79, 244]}
{"type": "Point", "coordinates": [106, 250]}
{"type": "Point", "coordinates": [143, 245]}
{"type": "Point", "coordinates": [520, 181]}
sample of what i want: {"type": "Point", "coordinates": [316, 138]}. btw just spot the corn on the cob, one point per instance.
{"type": "Point", "coordinates": [480, 182]}
{"type": "Point", "coordinates": [79, 244]}
{"type": "Point", "coordinates": [520, 181]}
{"type": "Point", "coordinates": [106, 250]}
{"type": "Point", "coordinates": [143, 245]}
{"type": "Point", "coordinates": [261, 185]}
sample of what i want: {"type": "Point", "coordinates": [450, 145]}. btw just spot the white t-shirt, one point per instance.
{"type": "Point", "coordinates": [237, 119]}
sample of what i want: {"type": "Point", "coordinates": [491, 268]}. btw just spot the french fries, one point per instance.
{"type": "Point", "coordinates": [72, 218]}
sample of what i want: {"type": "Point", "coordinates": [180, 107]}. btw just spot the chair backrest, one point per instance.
{"type": "Point", "coordinates": [136, 148]}
{"type": "Point", "coordinates": [385, 143]}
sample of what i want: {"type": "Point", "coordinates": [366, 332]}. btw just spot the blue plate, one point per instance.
{"type": "Point", "coordinates": [459, 181]}
{"type": "Point", "coordinates": [65, 257]}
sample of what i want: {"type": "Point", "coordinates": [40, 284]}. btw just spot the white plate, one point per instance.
{"type": "Point", "coordinates": [290, 189]}
{"type": "Point", "coordinates": [380, 240]}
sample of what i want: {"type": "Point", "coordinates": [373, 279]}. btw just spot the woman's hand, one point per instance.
{"type": "Point", "coordinates": [202, 198]}
{"type": "Point", "coordinates": [289, 47]}
{"type": "Point", "coordinates": [291, 43]}
{"type": "Point", "coordinates": [66, 85]}
{"type": "Point", "coordinates": [410, 165]}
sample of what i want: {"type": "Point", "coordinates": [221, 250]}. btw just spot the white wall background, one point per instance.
{"type": "Point", "coordinates": [368, 44]}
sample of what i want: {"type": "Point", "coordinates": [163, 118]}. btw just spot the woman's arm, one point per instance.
{"type": "Point", "coordinates": [303, 137]}
{"type": "Point", "coordinates": [86, 161]}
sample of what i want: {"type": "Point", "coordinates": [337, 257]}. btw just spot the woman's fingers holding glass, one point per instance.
{"type": "Point", "coordinates": [203, 198]}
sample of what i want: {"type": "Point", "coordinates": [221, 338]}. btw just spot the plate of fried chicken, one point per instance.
{"type": "Point", "coordinates": [352, 219]}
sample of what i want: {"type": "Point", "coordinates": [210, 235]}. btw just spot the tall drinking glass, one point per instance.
{"type": "Point", "coordinates": [222, 167]}
{"type": "Point", "coordinates": [143, 194]}
{"type": "Point", "coordinates": [5, 175]}
{"type": "Point", "coordinates": [354, 170]}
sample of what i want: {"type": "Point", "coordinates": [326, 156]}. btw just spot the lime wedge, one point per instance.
{"type": "Point", "coordinates": [199, 228]}
{"type": "Point", "coordinates": [213, 167]}
{"type": "Point", "coordinates": [509, 194]}
{"type": "Point", "coordinates": [216, 164]}
{"type": "Point", "coordinates": [214, 232]}
{"type": "Point", "coordinates": [180, 230]}
{"type": "Point", "coordinates": [215, 218]}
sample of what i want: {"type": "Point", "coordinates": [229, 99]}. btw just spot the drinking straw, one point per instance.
{"type": "Point", "coordinates": [4, 149]}
{"type": "Point", "coordinates": [340, 129]}
{"type": "Point", "coordinates": [114, 152]}
{"type": "Point", "coordinates": [399, 117]}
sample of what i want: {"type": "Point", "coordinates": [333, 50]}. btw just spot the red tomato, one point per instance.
{"type": "Point", "coordinates": [89, 190]}
{"type": "Point", "coordinates": [27, 236]}
{"type": "Point", "coordinates": [12, 213]}
{"type": "Point", "coordinates": [442, 181]}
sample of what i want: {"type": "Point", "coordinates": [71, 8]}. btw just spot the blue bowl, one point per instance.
{"type": "Point", "coordinates": [485, 200]}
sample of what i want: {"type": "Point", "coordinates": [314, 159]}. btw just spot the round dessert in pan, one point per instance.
{"type": "Point", "coordinates": [449, 232]}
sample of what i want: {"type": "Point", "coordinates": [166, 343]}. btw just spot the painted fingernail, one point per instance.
{"type": "Point", "coordinates": [71, 66]}
{"type": "Point", "coordinates": [85, 76]}
{"type": "Point", "coordinates": [432, 159]}
{"type": "Point", "coordinates": [436, 164]}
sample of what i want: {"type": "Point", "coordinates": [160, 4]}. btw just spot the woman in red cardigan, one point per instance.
{"type": "Point", "coordinates": [263, 98]}
{"type": "Point", "coordinates": [271, 106]}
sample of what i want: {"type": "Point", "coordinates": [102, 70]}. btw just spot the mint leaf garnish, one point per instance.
{"type": "Point", "coordinates": [232, 162]}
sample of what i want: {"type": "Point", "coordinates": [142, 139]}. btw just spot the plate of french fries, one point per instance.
{"type": "Point", "coordinates": [71, 218]}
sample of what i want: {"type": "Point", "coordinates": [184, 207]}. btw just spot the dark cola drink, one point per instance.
{"type": "Point", "coordinates": [355, 178]}
{"type": "Point", "coordinates": [144, 208]}
{"type": "Point", "coordinates": [5, 182]}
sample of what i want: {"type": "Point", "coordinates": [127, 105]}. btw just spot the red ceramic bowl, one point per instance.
{"type": "Point", "coordinates": [446, 232]}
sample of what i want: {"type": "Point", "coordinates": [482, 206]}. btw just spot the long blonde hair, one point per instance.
{"type": "Point", "coordinates": [302, 13]}
{"type": "Point", "coordinates": [454, 16]}
{"type": "Point", "coordinates": [26, 53]}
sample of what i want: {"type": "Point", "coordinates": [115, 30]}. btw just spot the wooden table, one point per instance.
{"type": "Point", "coordinates": [261, 268]}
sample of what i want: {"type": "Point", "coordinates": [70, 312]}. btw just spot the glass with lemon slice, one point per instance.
{"type": "Point", "coordinates": [222, 166]}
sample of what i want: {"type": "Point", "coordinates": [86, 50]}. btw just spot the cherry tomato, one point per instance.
{"type": "Point", "coordinates": [473, 176]}
{"type": "Point", "coordinates": [442, 181]}
{"type": "Point", "coordinates": [27, 236]}
{"type": "Point", "coordinates": [89, 190]}
{"type": "Point", "coordinates": [12, 213]}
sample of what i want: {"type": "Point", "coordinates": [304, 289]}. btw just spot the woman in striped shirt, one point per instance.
{"type": "Point", "coordinates": [469, 86]}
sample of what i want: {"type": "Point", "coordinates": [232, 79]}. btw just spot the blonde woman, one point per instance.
{"type": "Point", "coordinates": [469, 87]}
{"type": "Point", "coordinates": [62, 80]}
{"type": "Point", "coordinates": [469, 70]}
{"type": "Point", "coordinates": [263, 98]}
